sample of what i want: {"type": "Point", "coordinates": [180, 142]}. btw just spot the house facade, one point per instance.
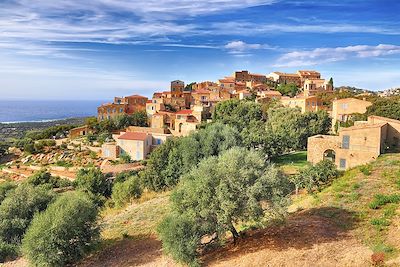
{"type": "Point", "coordinates": [356, 145]}
{"type": "Point", "coordinates": [137, 142]}
{"type": "Point", "coordinates": [121, 105]}
{"type": "Point", "coordinates": [311, 103]}
{"type": "Point", "coordinates": [343, 109]}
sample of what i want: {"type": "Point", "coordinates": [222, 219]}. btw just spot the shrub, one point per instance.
{"type": "Point", "coordinates": [63, 233]}
{"type": "Point", "coordinates": [366, 169]}
{"type": "Point", "coordinates": [5, 189]}
{"type": "Point", "coordinates": [7, 251]}
{"type": "Point", "coordinates": [316, 177]}
{"type": "Point", "coordinates": [18, 208]}
{"type": "Point", "coordinates": [93, 181]}
{"type": "Point", "coordinates": [125, 158]}
{"type": "Point", "coordinates": [123, 176]}
{"type": "Point", "coordinates": [125, 191]}
{"type": "Point", "coordinates": [180, 238]}
{"type": "Point", "coordinates": [45, 178]}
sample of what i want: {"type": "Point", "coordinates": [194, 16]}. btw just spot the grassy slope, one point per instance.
{"type": "Point", "coordinates": [354, 192]}
{"type": "Point", "coordinates": [343, 206]}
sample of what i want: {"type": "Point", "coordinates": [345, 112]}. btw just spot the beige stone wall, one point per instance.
{"type": "Point", "coordinates": [109, 151]}
{"type": "Point", "coordinates": [343, 108]}
{"type": "Point", "coordinates": [318, 144]}
{"type": "Point", "coordinates": [393, 132]}
{"type": "Point", "coordinates": [136, 149]}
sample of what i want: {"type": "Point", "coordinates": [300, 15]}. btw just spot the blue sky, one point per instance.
{"type": "Point", "coordinates": [95, 49]}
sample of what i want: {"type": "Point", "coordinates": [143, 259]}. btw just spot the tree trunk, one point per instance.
{"type": "Point", "coordinates": [235, 234]}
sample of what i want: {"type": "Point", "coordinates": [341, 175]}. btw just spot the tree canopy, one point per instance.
{"type": "Point", "coordinates": [386, 107]}
{"type": "Point", "coordinates": [177, 156]}
{"type": "Point", "coordinates": [63, 233]}
{"type": "Point", "coordinates": [218, 194]}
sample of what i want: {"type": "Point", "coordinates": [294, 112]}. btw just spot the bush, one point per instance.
{"type": "Point", "coordinates": [93, 181]}
{"type": "Point", "coordinates": [366, 169]}
{"type": "Point", "coordinates": [45, 178]}
{"type": "Point", "coordinates": [123, 176]}
{"type": "Point", "coordinates": [180, 238]}
{"type": "Point", "coordinates": [7, 251]}
{"type": "Point", "coordinates": [125, 158]}
{"type": "Point", "coordinates": [18, 208]}
{"type": "Point", "coordinates": [63, 233]}
{"type": "Point", "coordinates": [5, 189]}
{"type": "Point", "coordinates": [315, 178]}
{"type": "Point", "coordinates": [124, 192]}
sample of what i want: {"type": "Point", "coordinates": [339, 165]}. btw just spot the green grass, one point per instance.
{"type": "Point", "coordinates": [381, 200]}
{"type": "Point", "coordinates": [293, 162]}
{"type": "Point", "coordinates": [366, 169]}
{"type": "Point", "coordinates": [298, 159]}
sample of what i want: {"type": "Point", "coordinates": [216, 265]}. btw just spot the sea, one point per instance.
{"type": "Point", "coordinates": [13, 111]}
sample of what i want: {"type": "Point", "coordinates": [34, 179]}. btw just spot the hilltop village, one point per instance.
{"type": "Point", "coordinates": [283, 168]}
{"type": "Point", "coordinates": [183, 108]}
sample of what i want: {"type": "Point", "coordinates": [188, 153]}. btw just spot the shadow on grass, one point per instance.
{"type": "Point", "coordinates": [302, 230]}
{"type": "Point", "coordinates": [126, 252]}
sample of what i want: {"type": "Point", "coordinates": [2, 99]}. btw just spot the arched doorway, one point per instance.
{"type": "Point", "coordinates": [330, 155]}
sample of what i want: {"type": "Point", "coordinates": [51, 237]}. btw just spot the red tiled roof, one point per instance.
{"type": "Point", "coordinates": [133, 136]}
{"type": "Point", "coordinates": [184, 112]}
{"type": "Point", "coordinates": [201, 91]}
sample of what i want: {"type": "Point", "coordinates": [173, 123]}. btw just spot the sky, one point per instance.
{"type": "Point", "coordinates": [97, 49]}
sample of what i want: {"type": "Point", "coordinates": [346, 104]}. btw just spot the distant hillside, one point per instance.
{"type": "Point", "coordinates": [18, 130]}
{"type": "Point", "coordinates": [354, 89]}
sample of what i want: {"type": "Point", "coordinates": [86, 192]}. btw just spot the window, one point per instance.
{"type": "Point", "coordinates": [342, 164]}
{"type": "Point", "coordinates": [346, 142]}
{"type": "Point", "coordinates": [345, 106]}
{"type": "Point", "coordinates": [138, 155]}
{"type": "Point", "coordinates": [158, 141]}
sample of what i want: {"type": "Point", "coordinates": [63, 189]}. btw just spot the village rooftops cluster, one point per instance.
{"type": "Point", "coordinates": [180, 110]}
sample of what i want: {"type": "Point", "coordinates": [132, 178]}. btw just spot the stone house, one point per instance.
{"type": "Point", "coordinates": [356, 145]}
{"type": "Point", "coordinates": [285, 78]}
{"type": "Point", "coordinates": [342, 109]}
{"type": "Point", "coordinates": [80, 131]}
{"type": "Point", "coordinates": [137, 142]}
{"type": "Point", "coordinates": [121, 105]}
{"type": "Point", "coordinates": [310, 103]}
{"type": "Point", "coordinates": [313, 86]}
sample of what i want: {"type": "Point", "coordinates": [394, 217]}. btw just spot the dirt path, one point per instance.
{"type": "Point", "coordinates": [318, 237]}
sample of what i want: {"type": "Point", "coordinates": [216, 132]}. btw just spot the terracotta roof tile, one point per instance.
{"type": "Point", "coordinates": [133, 136]}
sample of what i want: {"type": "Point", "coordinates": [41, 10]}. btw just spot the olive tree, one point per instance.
{"type": "Point", "coordinates": [63, 233]}
{"type": "Point", "coordinates": [217, 195]}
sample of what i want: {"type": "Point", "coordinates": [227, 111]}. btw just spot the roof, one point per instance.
{"type": "Point", "coordinates": [271, 92]}
{"type": "Point", "coordinates": [286, 74]}
{"type": "Point", "coordinates": [364, 126]}
{"type": "Point", "coordinates": [384, 119]}
{"type": "Point", "coordinates": [308, 72]}
{"type": "Point", "coordinates": [184, 112]}
{"type": "Point", "coordinates": [350, 99]}
{"type": "Point", "coordinates": [133, 136]}
{"type": "Point", "coordinates": [149, 101]}
{"type": "Point", "coordinates": [136, 96]}
{"type": "Point", "coordinates": [256, 74]}
{"type": "Point", "coordinates": [201, 91]}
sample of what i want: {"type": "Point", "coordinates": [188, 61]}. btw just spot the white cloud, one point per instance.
{"type": "Point", "coordinates": [240, 48]}
{"type": "Point", "coordinates": [246, 28]}
{"type": "Point", "coordinates": [324, 55]}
